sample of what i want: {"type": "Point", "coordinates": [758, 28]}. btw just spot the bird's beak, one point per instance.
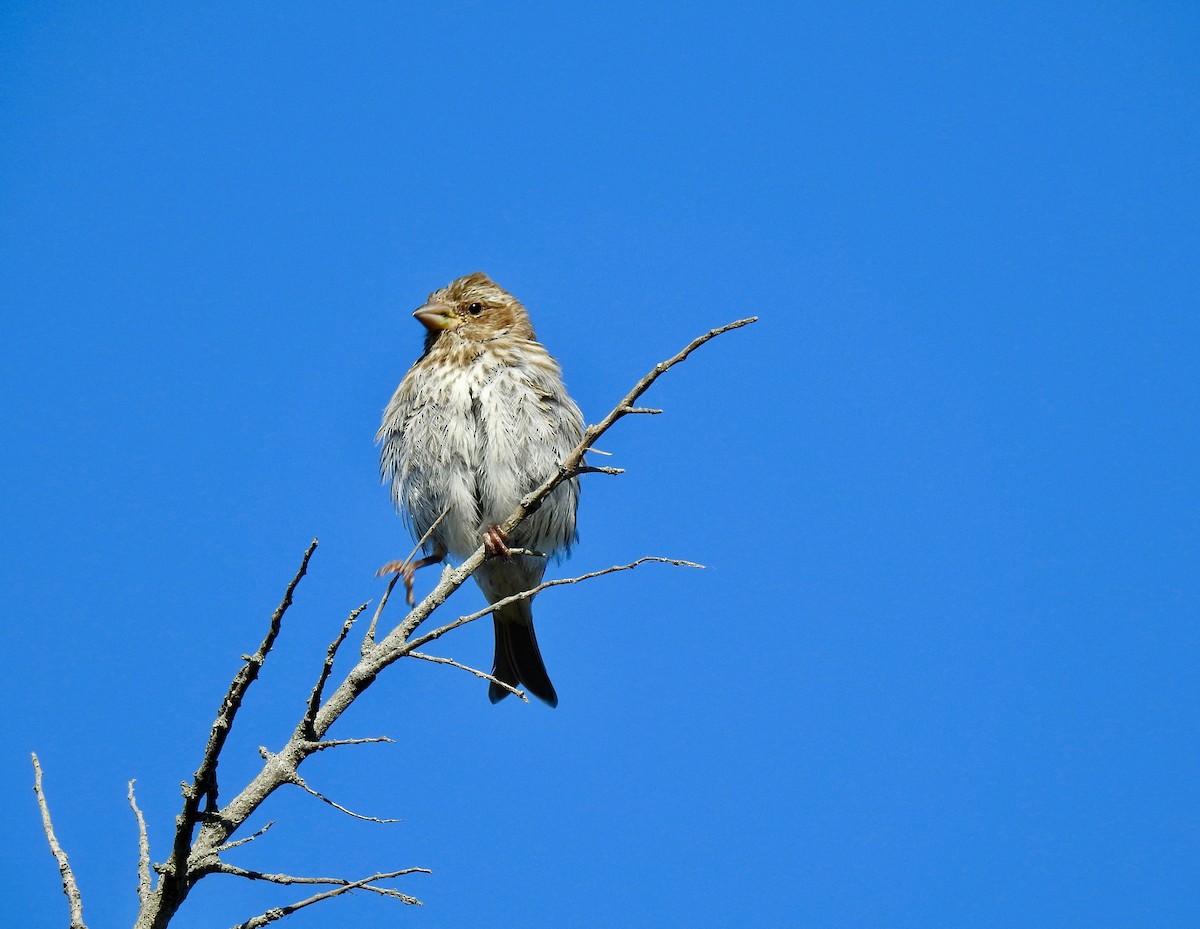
{"type": "Point", "coordinates": [435, 317]}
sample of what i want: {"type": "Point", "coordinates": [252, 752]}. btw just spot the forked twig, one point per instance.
{"type": "Point", "coordinates": [366, 883]}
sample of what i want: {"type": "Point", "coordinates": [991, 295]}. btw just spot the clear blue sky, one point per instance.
{"type": "Point", "coordinates": [941, 670]}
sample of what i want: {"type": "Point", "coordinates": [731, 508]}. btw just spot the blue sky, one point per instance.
{"type": "Point", "coordinates": [941, 670]}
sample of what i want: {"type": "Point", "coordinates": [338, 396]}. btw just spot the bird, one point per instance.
{"type": "Point", "coordinates": [481, 419]}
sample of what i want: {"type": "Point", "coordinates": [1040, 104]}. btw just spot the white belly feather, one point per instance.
{"type": "Point", "coordinates": [476, 436]}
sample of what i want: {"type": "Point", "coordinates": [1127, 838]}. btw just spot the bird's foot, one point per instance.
{"type": "Point", "coordinates": [495, 543]}
{"type": "Point", "coordinates": [407, 570]}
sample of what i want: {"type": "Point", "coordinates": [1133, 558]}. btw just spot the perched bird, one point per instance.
{"type": "Point", "coordinates": [478, 422]}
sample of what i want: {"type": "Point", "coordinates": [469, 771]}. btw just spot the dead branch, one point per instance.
{"type": "Point", "coordinates": [437, 659]}
{"type": "Point", "coordinates": [368, 642]}
{"type": "Point", "coordinates": [204, 782]}
{"type": "Point", "coordinates": [366, 883]}
{"type": "Point", "coordinates": [314, 698]}
{"type": "Point", "coordinates": [533, 591]}
{"type": "Point", "coordinates": [303, 785]}
{"type": "Point", "coordinates": [143, 885]}
{"type": "Point", "coordinates": [280, 767]}
{"type": "Point", "coordinates": [70, 888]}
{"type": "Point", "coordinates": [247, 839]}
{"type": "Point", "coordinates": [369, 639]}
{"type": "Point", "coordinates": [334, 743]}
{"type": "Point", "coordinates": [223, 867]}
{"type": "Point", "coordinates": [195, 853]}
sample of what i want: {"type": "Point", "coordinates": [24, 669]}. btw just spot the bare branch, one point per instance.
{"type": "Point", "coordinates": [368, 641]}
{"type": "Point", "coordinates": [369, 638]}
{"type": "Point", "coordinates": [249, 838]}
{"type": "Point", "coordinates": [572, 462]}
{"type": "Point", "coordinates": [314, 699]}
{"type": "Point", "coordinates": [593, 469]}
{"type": "Point", "coordinates": [335, 743]}
{"type": "Point", "coordinates": [483, 674]}
{"type": "Point", "coordinates": [204, 782]}
{"type": "Point", "coordinates": [143, 885]}
{"type": "Point", "coordinates": [175, 882]}
{"type": "Point", "coordinates": [190, 858]}
{"type": "Point", "coordinates": [366, 883]}
{"type": "Point", "coordinates": [70, 888]}
{"type": "Point", "coordinates": [223, 867]}
{"type": "Point", "coordinates": [644, 410]}
{"type": "Point", "coordinates": [526, 594]}
{"type": "Point", "coordinates": [300, 782]}
{"type": "Point", "coordinates": [428, 534]}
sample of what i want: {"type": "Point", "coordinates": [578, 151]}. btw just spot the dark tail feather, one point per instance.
{"type": "Point", "coordinates": [518, 661]}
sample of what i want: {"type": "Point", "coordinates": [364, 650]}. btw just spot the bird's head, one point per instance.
{"type": "Point", "coordinates": [476, 309]}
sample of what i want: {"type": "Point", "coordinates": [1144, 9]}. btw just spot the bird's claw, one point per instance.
{"type": "Point", "coordinates": [406, 569]}
{"type": "Point", "coordinates": [495, 543]}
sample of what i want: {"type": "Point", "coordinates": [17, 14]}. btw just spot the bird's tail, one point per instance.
{"type": "Point", "coordinates": [518, 660]}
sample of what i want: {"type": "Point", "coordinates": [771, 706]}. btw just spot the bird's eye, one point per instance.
{"type": "Point", "coordinates": [475, 309]}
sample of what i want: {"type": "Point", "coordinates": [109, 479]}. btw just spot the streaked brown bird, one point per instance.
{"type": "Point", "coordinates": [478, 422]}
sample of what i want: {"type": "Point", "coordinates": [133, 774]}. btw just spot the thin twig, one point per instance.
{"type": "Point", "coordinates": [279, 912]}
{"type": "Point", "coordinates": [300, 782]}
{"type": "Point", "coordinates": [366, 883]}
{"type": "Point", "coordinates": [314, 698]}
{"type": "Point", "coordinates": [175, 882]}
{"type": "Point", "coordinates": [70, 888]}
{"type": "Point", "coordinates": [143, 885]}
{"type": "Point", "coordinates": [335, 743]}
{"type": "Point", "coordinates": [428, 534]}
{"type": "Point", "coordinates": [224, 867]}
{"type": "Point", "coordinates": [369, 639]}
{"type": "Point", "coordinates": [437, 659]}
{"type": "Point", "coordinates": [249, 838]}
{"type": "Point", "coordinates": [204, 782]}
{"type": "Point", "coordinates": [626, 406]}
{"type": "Point", "coordinates": [526, 594]}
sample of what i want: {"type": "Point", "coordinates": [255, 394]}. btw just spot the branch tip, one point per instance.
{"type": "Point", "coordinates": [314, 698]}
{"type": "Point", "coordinates": [144, 881]}
{"type": "Point", "coordinates": [437, 659]}
{"type": "Point", "coordinates": [70, 888]}
{"type": "Point", "coordinates": [300, 782]}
